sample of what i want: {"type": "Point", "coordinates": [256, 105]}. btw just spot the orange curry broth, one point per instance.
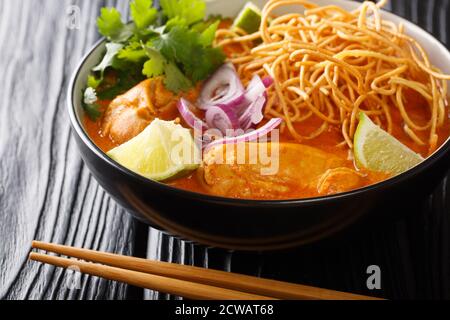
{"type": "Point", "coordinates": [417, 109]}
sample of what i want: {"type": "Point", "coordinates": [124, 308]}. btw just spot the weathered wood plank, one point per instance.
{"type": "Point", "coordinates": [46, 192]}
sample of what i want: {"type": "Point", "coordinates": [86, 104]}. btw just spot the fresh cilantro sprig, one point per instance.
{"type": "Point", "coordinates": [143, 13]}
{"type": "Point", "coordinates": [190, 11]}
{"type": "Point", "coordinates": [175, 43]}
{"type": "Point", "coordinates": [111, 26]}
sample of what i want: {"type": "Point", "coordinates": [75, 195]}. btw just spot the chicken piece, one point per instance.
{"type": "Point", "coordinates": [269, 170]}
{"type": "Point", "coordinates": [129, 114]}
{"type": "Point", "coordinates": [163, 97]}
{"type": "Point", "coordinates": [123, 123]}
{"type": "Point", "coordinates": [339, 180]}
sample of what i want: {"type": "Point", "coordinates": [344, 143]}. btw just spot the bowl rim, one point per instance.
{"type": "Point", "coordinates": [382, 185]}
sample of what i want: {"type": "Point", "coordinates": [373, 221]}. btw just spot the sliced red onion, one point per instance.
{"type": "Point", "coordinates": [230, 107]}
{"type": "Point", "coordinates": [185, 109]}
{"type": "Point", "coordinates": [246, 123]}
{"type": "Point", "coordinates": [222, 119]}
{"type": "Point", "coordinates": [253, 114]}
{"type": "Point", "coordinates": [255, 100]}
{"type": "Point", "coordinates": [248, 137]}
{"type": "Point", "coordinates": [223, 88]}
{"type": "Point", "coordinates": [258, 107]}
{"type": "Point", "coordinates": [255, 89]}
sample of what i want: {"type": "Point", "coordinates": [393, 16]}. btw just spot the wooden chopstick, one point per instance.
{"type": "Point", "coordinates": [176, 287]}
{"type": "Point", "coordinates": [186, 281]}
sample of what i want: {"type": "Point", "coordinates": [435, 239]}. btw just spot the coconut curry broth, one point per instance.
{"type": "Point", "coordinates": [150, 100]}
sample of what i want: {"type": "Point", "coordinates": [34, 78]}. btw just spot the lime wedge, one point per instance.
{"type": "Point", "coordinates": [162, 151]}
{"type": "Point", "coordinates": [377, 150]}
{"type": "Point", "coordinates": [249, 19]}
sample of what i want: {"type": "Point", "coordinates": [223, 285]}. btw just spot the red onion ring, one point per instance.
{"type": "Point", "coordinates": [255, 97]}
{"type": "Point", "coordinates": [185, 109]}
{"type": "Point", "coordinates": [255, 89]}
{"type": "Point", "coordinates": [223, 88]}
{"type": "Point", "coordinates": [248, 137]}
{"type": "Point", "coordinates": [229, 106]}
{"type": "Point", "coordinates": [222, 119]}
{"type": "Point", "coordinates": [254, 113]}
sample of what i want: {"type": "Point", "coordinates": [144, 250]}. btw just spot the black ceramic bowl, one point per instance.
{"type": "Point", "coordinates": [245, 224]}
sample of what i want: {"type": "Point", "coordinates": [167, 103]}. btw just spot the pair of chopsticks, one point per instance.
{"type": "Point", "coordinates": [185, 281]}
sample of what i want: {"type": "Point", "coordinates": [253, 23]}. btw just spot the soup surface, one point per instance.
{"type": "Point", "coordinates": [326, 142]}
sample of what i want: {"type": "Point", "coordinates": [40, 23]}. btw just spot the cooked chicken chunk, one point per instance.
{"type": "Point", "coordinates": [129, 114]}
{"type": "Point", "coordinates": [339, 180]}
{"type": "Point", "coordinates": [275, 171]}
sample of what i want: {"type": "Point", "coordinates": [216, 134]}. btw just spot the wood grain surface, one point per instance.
{"type": "Point", "coordinates": [46, 192]}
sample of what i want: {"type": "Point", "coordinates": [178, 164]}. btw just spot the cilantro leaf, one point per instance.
{"type": "Point", "coordinates": [208, 60]}
{"type": "Point", "coordinates": [186, 47]}
{"type": "Point", "coordinates": [181, 49]}
{"type": "Point", "coordinates": [111, 26]}
{"type": "Point", "coordinates": [109, 60]}
{"type": "Point", "coordinates": [175, 80]}
{"type": "Point", "coordinates": [177, 45]}
{"type": "Point", "coordinates": [133, 53]}
{"type": "Point", "coordinates": [121, 82]}
{"type": "Point", "coordinates": [143, 13]}
{"type": "Point", "coordinates": [190, 10]}
{"type": "Point", "coordinates": [110, 22]}
{"type": "Point", "coordinates": [112, 49]}
{"type": "Point", "coordinates": [93, 82]}
{"type": "Point", "coordinates": [175, 22]}
{"type": "Point", "coordinates": [92, 110]}
{"type": "Point", "coordinates": [155, 65]}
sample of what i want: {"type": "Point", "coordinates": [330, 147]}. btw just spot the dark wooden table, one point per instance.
{"type": "Point", "coordinates": [46, 192]}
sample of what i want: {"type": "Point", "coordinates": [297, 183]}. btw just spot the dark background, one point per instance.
{"type": "Point", "coordinates": [46, 192]}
